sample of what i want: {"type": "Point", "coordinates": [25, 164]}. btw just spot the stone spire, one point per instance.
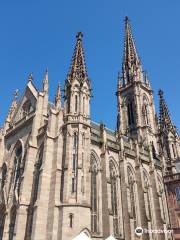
{"type": "Point", "coordinates": [13, 106]}
{"type": "Point", "coordinates": [165, 121]}
{"type": "Point", "coordinates": [131, 61]}
{"type": "Point", "coordinates": [78, 66]}
{"type": "Point", "coordinates": [46, 82]}
{"type": "Point", "coordinates": [58, 97]}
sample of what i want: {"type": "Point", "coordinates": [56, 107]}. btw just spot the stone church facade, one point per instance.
{"type": "Point", "coordinates": [61, 173]}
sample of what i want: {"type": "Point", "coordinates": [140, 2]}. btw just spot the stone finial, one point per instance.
{"type": "Point", "coordinates": [79, 36]}
{"type": "Point", "coordinates": [30, 77]}
{"type": "Point", "coordinates": [58, 97]}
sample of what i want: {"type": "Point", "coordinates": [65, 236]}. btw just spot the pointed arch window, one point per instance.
{"type": "Point", "coordinates": [131, 183]}
{"type": "Point", "coordinates": [76, 103]}
{"type": "Point", "coordinates": [174, 151]}
{"type": "Point", "coordinates": [130, 112]}
{"type": "Point", "coordinates": [114, 197]}
{"type": "Point", "coordinates": [145, 111]}
{"type": "Point", "coordinates": [71, 218]}
{"type": "Point", "coordinates": [12, 222]}
{"type": "Point", "coordinates": [83, 139]}
{"type": "Point", "coordinates": [84, 101]}
{"type": "Point", "coordinates": [75, 140]}
{"type": "Point", "coordinates": [17, 170]}
{"type": "Point", "coordinates": [94, 198]}
{"type": "Point", "coordinates": [73, 190]}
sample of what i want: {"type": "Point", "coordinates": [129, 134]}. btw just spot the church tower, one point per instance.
{"type": "Point", "coordinates": [169, 138]}
{"type": "Point", "coordinates": [136, 111]}
{"type": "Point", "coordinates": [75, 189]}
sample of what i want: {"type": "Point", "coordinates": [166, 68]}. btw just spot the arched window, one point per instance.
{"type": "Point", "coordinates": [145, 111]}
{"type": "Point", "coordinates": [76, 103]}
{"type": "Point", "coordinates": [114, 196]}
{"type": "Point", "coordinates": [17, 170]}
{"type": "Point", "coordinates": [131, 183]}
{"type": "Point", "coordinates": [71, 218]}
{"type": "Point", "coordinates": [84, 105]}
{"type": "Point", "coordinates": [12, 222]}
{"type": "Point", "coordinates": [75, 140]}
{"type": "Point", "coordinates": [83, 140]}
{"type": "Point", "coordinates": [94, 199]}
{"type": "Point", "coordinates": [130, 112]}
{"type": "Point", "coordinates": [174, 151]}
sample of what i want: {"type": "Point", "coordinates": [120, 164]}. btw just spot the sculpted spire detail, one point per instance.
{"type": "Point", "coordinates": [131, 62]}
{"type": "Point", "coordinates": [165, 121]}
{"type": "Point", "coordinates": [78, 66]}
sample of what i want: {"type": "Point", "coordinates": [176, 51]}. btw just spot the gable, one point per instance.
{"type": "Point", "coordinates": [27, 104]}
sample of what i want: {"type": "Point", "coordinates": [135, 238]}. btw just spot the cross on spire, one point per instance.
{"type": "Point", "coordinates": [78, 66]}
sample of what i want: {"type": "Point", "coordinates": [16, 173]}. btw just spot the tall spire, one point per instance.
{"type": "Point", "coordinates": [165, 121]}
{"type": "Point", "coordinates": [58, 97]}
{"type": "Point", "coordinates": [78, 66]}
{"type": "Point", "coordinates": [131, 61]}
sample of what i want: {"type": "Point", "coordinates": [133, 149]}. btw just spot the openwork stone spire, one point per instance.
{"type": "Point", "coordinates": [78, 66]}
{"type": "Point", "coordinates": [165, 121]}
{"type": "Point", "coordinates": [131, 61]}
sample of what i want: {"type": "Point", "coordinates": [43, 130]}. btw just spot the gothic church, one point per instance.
{"type": "Point", "coordinates": [62, 174]}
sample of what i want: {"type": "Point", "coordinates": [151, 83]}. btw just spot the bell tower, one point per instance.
{"type": "Point", "coordinates": [136, 111]}
{"type": "Point", "coordinates": [169, 138]}
{"type": "Point", "coordinates": [76, 150]}
{"type": "Point", "coordinates": [77, 85]}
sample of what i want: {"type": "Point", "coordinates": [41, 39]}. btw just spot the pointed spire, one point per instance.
{"type": "Point", "coordinates": [13, 105]}
{"type": "Point", "coordinates": [30, 77]}
{"type": "Point", "coordinates": [46, 81]}
{"type": "Point", "coordinates": [131, 61]}
{"type": "Point", "coordinates": [78, 66]}
{"type": "Point", "coordinates": [58, 97]}
{"type": "Point", "coordinates": [165, 121]}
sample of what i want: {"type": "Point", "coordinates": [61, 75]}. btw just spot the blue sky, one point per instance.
{"type": "Point", "coordinates": [41, 33]}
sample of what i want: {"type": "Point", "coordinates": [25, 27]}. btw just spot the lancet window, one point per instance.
{"type": "Point", "coordinates": [94, 195]}
{"type": "Point", "coordinates": [114, 197]}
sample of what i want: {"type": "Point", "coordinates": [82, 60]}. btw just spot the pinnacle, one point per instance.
{"type": "Point", "coordinates": [79, 36]}
{"type": "Point", "coordinates": [30, 77]}
{"type": "Point", "coordinates": [160, 93]}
